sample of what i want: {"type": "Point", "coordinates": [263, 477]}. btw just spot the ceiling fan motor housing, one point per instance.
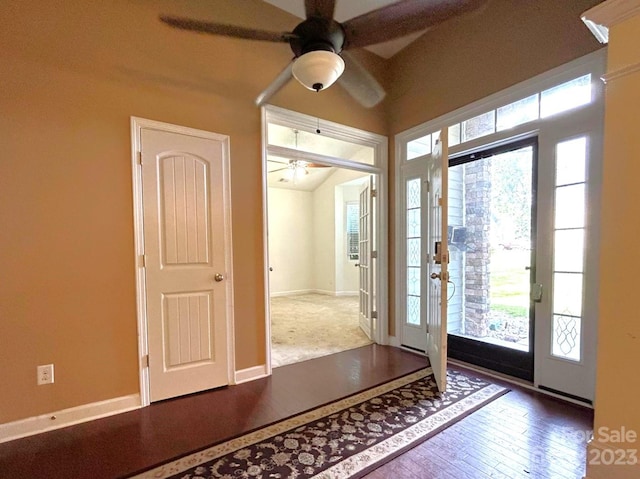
{"type": "Point", "coordinates": [315, 34]}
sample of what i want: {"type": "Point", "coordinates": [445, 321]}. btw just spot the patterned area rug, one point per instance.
{"type": "Point", "coordinates": [344, 439]}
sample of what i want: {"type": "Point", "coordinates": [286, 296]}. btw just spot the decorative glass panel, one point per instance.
{"type": "Point", "coordinates": [413, 310]}
{"type": "Point", "coordinates": [566, 337]}
{"type": "Point", "coordinates": [413, 223]}
{"type": "Point", "coordinates": [571, 161]}
{"type": "Point", "coordinates": [413, 193]}
{"type": "Point", "coordinates": [478, 126]}
{"type": "Point", "coordinates": [570, 206]}
{"type": "Point", "coordinates": [565, 96]}
{"type": "Point", "coordinates": [569, 250]}
{"type": "Point", "coordinates": [413, 281]}
{"type": "Point", "coordinates": [567, 294]}
{"type": "Point", "coordinates": [517, 113]}
{"type": "Point", "coordinates": [413, 252]}
{"type": "Point", "coordinates": [419, 147]}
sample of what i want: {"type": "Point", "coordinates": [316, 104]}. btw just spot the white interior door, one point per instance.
{"type": "Point", "coordinates": [364, 257]}
{"type": "Point", "coordinates": [186, 244]}
{"type": "Point", "coordinates": [438, 261]}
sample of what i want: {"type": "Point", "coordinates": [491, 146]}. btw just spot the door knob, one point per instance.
{"type": "Point", "coordinates": [218, 277]}
{"type": "Point", "coordinates": [436, 276]}
{"type": "Point", "coordinates": [357, 265]}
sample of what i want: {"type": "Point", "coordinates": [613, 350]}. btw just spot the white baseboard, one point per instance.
{"type": "Point", "coordinates": [250, 374]}
{"type": "Point", "coordinates": [297, 292]}
{"type": "Point", "coordinates": [394, 341]}
{"type": "Point", "coordinates": [68, 417]}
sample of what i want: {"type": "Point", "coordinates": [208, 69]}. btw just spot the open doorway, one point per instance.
{"type": "Point", "coordinates": [314, 263]}
{"type": "Point", "coordinates": [325, 242]}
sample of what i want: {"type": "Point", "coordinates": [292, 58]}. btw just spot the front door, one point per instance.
{"type": "Point", "coordinates": [438, 262]}
{"type": "Point", "coordinates": [491, 231]}
{"type": "Point", "coordinates": [186, 258]}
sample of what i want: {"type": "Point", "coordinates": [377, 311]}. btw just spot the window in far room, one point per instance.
{"type": "Point", "coordinates": [353, 215]}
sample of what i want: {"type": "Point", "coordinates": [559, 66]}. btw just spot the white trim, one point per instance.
{"type": "Point", "coordinates": [580, 120]}
{"type": "Point", "coordinates": [394, 341]}
{"type": "Point", "coordinates": [265, 242]}
{"type": "Point", "coordinates": [612, 12]}
{"type": "Point", "coordinates": [137, 124]}
{"type": "Point", "coordinates": [568, 71]}
{"type": "Point", "coordinates": [517, 382]}
{"type": "Point", "coordinates": [251, 374]}
{"type": "Point", "coordinates": [346, 293]}
{"type": "Point", "coordinates": [620, 72]}
{"type": "Point", "coordinates": [297, 292]}
{"type": "Point", "coordinates": [300, 292]}
{"type": "Point", "coordinates": [68, 417]}
{"type": "Point", "coordinates": [379, 143]}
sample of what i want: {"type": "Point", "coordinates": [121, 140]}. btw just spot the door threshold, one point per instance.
{"type": "Point", "coordinates": [519, 382]}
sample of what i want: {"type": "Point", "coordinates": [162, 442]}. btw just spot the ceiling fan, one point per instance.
{"type": "Point", "coordinates": [294, 170]}
{"type": "Point", "coordinates": [320, 43]}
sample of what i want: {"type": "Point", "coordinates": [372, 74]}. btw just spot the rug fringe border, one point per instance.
{"type": "Point", "coordinates": [365, 461]}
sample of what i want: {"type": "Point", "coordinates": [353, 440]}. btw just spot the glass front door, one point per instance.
{"type": "Point", "coordinates": [491, 237]}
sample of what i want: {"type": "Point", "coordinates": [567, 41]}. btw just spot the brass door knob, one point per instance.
{"type": "Point", "coordinates": [218, 277]}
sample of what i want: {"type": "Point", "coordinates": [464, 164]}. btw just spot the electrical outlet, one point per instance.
{"type": "Point", "coordinates": [45, 374]}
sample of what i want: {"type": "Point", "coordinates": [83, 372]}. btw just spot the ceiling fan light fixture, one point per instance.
{"type": "Point", "coordinates": [318, 70]}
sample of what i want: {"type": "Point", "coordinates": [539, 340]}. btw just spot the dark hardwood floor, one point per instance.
{"type": "Point", "coordinates": [521, 434]}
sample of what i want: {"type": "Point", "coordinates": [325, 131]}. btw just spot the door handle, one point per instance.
{"type": "Point", "coordinates": [436, 276]}
{"type": "Point", "coordinates": [218, 277]}
{"type": "Point", "coordinates": [357, 265]}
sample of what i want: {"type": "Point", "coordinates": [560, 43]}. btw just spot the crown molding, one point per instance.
{"type": "Point", "coordinates": [606, 14]}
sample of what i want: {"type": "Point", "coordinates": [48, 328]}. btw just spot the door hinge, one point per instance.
{"type": "Point", "coordinates": [145, 361]}
{"type": "Point", "coordinates": [427, 185]}
{"type": "Point", "coordinates": [141, 261]}
{"type": "Point", "coordinates": [374, 255]}
{"type": "Point", "coordinates": [374, 315]}
{"type": "Point", "coordinates": [139, 158]}
{"type": "Point", "coordinates": [374, 193]}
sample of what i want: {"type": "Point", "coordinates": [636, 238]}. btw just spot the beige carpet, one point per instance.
{"type": "Point", "coordinates": [313, 325]}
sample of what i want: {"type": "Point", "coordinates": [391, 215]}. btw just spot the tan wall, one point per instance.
{"type": "Point", "coordinates": [618, 380]}
{"type": "Point", "coordinates": [72, 73]}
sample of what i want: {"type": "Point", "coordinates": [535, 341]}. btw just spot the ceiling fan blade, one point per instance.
{"type": "Point", "coordinates": [359, 83]}
{"type": "Point", "coordinates": [402, 18]}
{"type": "Point", "coordinates": [279, 169]}
{"type": "Point", "coordinates": [320, 8]}
{"type": "Point", "coordinates": [286, 162]}
{"type": "Point", "coordinates": [226, 30]}
{"type": "Point", "coordinates": [280, 81]}
{"type": "Point", "coordinates": [316, 165]}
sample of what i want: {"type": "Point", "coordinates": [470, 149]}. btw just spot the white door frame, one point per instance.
{"type": "Point", "coordinates": [581, 120]}
{"type": "Point", "coordinates": [379, 143]}
{"type": "Point", "coordinates": [137, 124]}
